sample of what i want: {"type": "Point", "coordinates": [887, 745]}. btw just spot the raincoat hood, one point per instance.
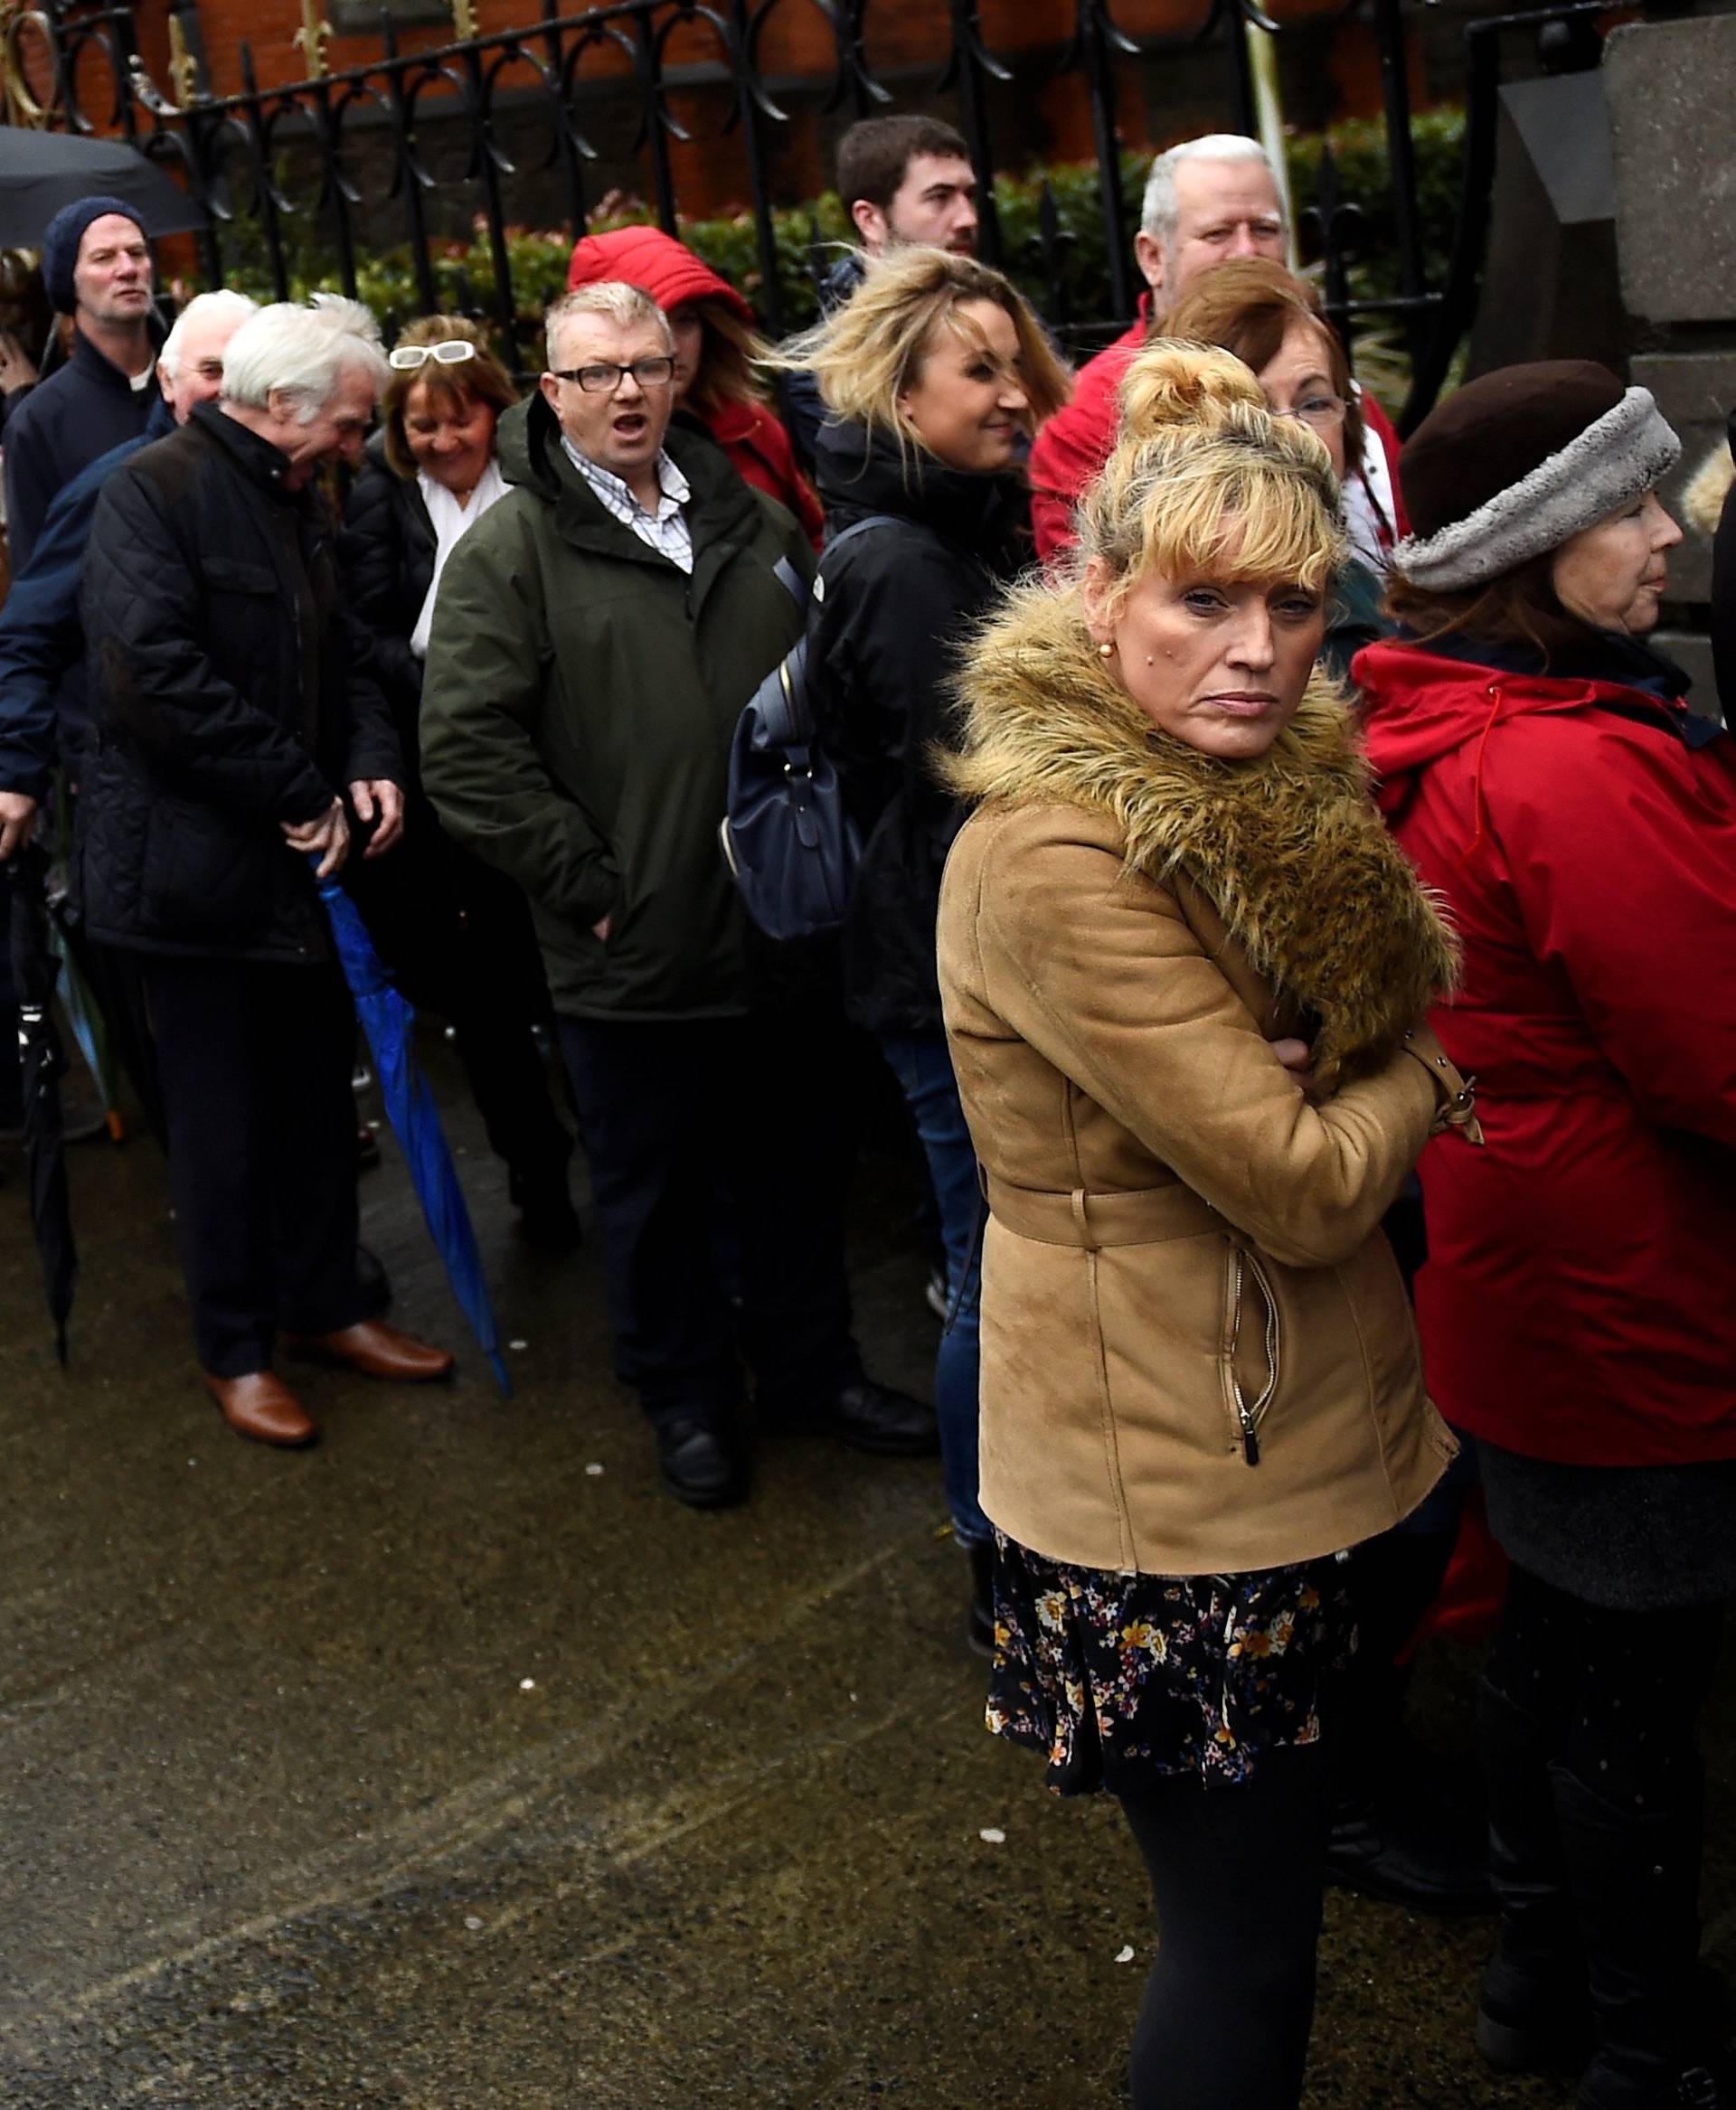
{"type": "Point", "coordinates": [657, 263]}
{"type": "Point", "coordinates": [1423, 701]}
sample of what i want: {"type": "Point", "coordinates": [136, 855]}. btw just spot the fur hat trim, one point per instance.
{"type": "Point", "coordinates": [1617, 457]}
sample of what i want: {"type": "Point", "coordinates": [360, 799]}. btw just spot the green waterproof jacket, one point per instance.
{"type": "Point", "coordinates": [578, 702]}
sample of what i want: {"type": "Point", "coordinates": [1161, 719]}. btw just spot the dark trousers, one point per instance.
{"type": "Point", "coordinates": [1615, 1697]}
{"type": "Point", "coordinates": [458, 941]}
{"type": "Point", "coordinates": [1588, 1729]}
{"type": "Point", "coordinates": [674, 1117]}
{"type": "Point", "coordinates": [253, 1064]}
{"type": "Point", "coordinates": [1236, 1874]}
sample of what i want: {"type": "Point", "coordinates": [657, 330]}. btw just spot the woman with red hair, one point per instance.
{"type": "Point", "coordinates": [717, 349]}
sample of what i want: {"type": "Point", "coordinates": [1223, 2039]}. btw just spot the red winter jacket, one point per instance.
{"type": "Point", "coordinates": [747, 432]}
{"type": "Point", "coordinates": [1576, 1304]}
{"type": "Point", "coordinates": [1076, 442]}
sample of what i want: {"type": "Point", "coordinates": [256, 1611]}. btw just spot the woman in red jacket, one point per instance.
{"type": "Point", "coordinates": [1540, 767]}
{"type": "Point", "coordinates": [717, 347]}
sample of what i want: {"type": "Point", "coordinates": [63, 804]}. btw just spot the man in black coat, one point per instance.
{"type": "Point", "coordinates": [97, 268]}
{"type": "Point", "coordinates": [234, 702]}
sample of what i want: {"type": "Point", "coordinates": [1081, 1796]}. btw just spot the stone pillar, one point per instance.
{"type": "Point", "coordinates": [1670, 89]}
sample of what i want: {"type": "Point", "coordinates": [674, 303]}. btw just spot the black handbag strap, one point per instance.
{"type": "Point", "coordinates": [790, 579]}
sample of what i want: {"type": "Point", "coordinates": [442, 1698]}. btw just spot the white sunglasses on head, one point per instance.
{"type": "Point", "coordinates": [450, 351]}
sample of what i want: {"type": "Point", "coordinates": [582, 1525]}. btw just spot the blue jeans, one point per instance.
{"type": "Point", "coordinates": [923, 1068]}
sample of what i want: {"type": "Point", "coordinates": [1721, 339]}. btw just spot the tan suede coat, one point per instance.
{"type": "Point", "coordinates": [1197, 1355]}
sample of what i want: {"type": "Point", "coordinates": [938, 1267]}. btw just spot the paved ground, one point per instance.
{"type": "Point", "coordinates": [453, 1766]}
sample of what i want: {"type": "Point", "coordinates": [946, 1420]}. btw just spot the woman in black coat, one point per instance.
{"type": "Point", "coordinates": [936, 375]}
{"type": "Point", "coordinates": [456, 935]}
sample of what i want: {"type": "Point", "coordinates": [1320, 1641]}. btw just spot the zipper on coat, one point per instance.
{"type": "Point", "coordinates": [1244, 1263]}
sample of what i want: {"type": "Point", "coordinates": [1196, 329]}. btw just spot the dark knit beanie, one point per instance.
{"type": "Point", "coordinates": [1517, 462]}
{"type": "Point", "coordinates": [60, 243]}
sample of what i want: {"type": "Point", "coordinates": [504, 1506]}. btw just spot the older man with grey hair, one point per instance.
{"type": "Point", "coordinates": [236, 708]}
{"type": "Point", "coordinates": [1207, 201]}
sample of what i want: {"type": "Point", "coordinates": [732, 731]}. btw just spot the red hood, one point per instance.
{"type": "Point", "coordinates": [1419, 705]}
{"type": "Point", "coordinates": [654, 261]}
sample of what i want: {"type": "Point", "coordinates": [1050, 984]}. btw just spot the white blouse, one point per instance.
{"type": "Point", "coordinates": [448, 520]}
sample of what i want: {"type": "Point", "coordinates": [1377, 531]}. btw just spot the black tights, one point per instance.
{"type": "Point", "coordinates": [1236, 1875]}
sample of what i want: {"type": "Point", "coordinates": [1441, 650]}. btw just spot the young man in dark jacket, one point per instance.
{"type": "Point", "coordinates": [596, 635]}
{"type": "Point", "coordinates": [904, 181]}
{"type": "Point", "coordinates": [233, 704]}
{"type": "Point", "coordinates": [97, 268]}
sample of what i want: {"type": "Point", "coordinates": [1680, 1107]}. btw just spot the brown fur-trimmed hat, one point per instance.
{"type": "Point", "coordinates": [1518, 461]}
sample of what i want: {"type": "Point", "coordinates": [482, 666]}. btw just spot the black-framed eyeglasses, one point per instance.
{"type": "Point", "coordinates": [450, 351]}
{"type": "Point", "coordinates": [605, 378]}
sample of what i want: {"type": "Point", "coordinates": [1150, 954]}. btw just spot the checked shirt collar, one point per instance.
{"type": "Point", "coordinates": [665, 531]}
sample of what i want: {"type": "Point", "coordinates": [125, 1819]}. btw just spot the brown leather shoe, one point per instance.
{"type": "Point", "coordinates": [377, 1350]}
{"type": "Point", "coordinates": [261, 1406]}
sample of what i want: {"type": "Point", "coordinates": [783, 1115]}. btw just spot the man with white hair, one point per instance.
{"type": "Point", "coordinates": [1207, 201]}
{"type": "Point", "coordinates": [235, 708]}
{"type": "Point", "coordinates": [595, 638]}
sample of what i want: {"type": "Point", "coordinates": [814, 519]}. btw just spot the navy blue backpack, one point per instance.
{"type": "Point", "coordinates": [789, 844]}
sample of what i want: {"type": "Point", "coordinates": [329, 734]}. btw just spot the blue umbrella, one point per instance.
{"type": "Point", "coordinates": [387, 1019]}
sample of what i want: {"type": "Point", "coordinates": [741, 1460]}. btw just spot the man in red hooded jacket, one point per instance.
{"type": "Point", "coordinates": [1207, 201]}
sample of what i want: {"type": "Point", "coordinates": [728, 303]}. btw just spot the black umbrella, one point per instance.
{"type": "Point", "coordinates": [43, 1062]}
{"type": "Point", "coordinates": [40, 172]}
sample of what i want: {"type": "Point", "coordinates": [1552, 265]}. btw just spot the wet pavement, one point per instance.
{"type": "Point", "coordinates": [451, 1765]}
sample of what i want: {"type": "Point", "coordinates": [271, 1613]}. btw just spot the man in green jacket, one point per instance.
{"type": "Point", "coordinates": [596, 636]}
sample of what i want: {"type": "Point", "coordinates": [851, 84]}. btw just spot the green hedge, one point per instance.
{"type": "Point", "coordinates": [539, 259]}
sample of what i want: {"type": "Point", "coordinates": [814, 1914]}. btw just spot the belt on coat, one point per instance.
{"type": "Point", "coordinates": [1144, 1215]}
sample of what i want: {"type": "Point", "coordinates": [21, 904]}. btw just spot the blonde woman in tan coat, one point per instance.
{"type": "Point", "coordinates": [1184, 970]}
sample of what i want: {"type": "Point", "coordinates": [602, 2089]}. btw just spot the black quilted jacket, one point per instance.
{"type": "Point", "coordinates": [385, 550]}
{"type": "Point", "coordinates": [232, 691]}
{"type": "Point", "coordinates": [899, 601]}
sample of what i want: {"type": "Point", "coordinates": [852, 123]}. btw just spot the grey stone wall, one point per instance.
{"type": "Point", "coordinates": [1671, 91]}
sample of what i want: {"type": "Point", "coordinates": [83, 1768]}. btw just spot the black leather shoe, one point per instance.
{"type": "Point", "coordinates": [1424, 1850]}
{"type": "Point", "coordinates": [699, 1465]}
{"type": "Point", "coordinates": [870, 1418]}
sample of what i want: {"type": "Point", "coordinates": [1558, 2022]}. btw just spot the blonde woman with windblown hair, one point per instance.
{"type": "Point", "coordinates": [936, 375]}
{"type": "Point", "coordinates": [1184, 971]}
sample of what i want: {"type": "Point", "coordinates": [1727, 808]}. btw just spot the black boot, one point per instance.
{"type": "Point", "coordinates": [980, 1631]}
{"type": "Point", "coordinates": [546, 1216]}
{"type": "Point", "coordinates": [1635, 1879]}
{"type": "Point", "coordinates": [1533, 2014]}
{"type": "Point", "coordinates": [1407, 1824]}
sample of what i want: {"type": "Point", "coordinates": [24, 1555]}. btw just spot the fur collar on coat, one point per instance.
{"type": "Point", "coordinates": [1289, 849]}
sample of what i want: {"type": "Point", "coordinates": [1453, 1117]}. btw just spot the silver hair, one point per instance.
{"type": "Point", "coordinates": [224, 301]}
{"type": "Point", "coordinates": [1157, 214]}
{"type": "Point", "coordinates": [624, 305]}
{"type": "Point", "coordinates": [302, 352]}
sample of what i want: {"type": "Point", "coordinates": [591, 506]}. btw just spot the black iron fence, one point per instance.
{"type": "Point", "coordinates": [373, 152]}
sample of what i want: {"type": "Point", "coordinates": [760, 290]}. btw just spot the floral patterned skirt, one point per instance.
{"type": "Point", "coordinates": [1117, 1677]}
